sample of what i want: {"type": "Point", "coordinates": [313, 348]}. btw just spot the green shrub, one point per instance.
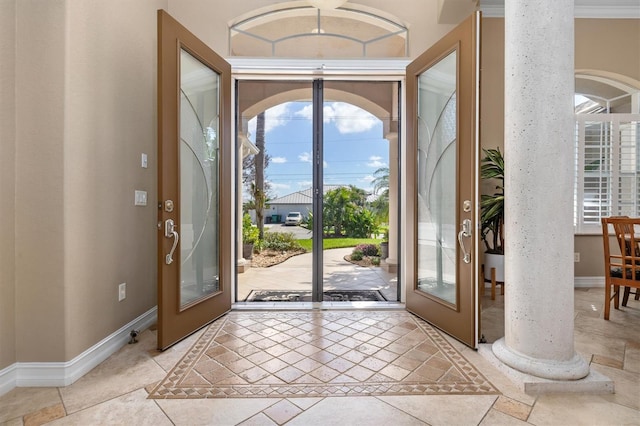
{"type": "Point", "coordinates": [368, 249]}
{"type": "Point", "coordinates": [280, 241]}
{"type": "Point", "coordinates": [375, 261]}
{"type": "Point", "coordinates": [357, 255]}
{"type": "Point", "coordinates": [360, 223]}
{"type": "Point", "coordinates": [307, 222]}
{"type": "Point", "coordinates": [250, 233]}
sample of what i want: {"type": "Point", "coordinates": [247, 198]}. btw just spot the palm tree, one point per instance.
{"type": "Point", "coordinates": [380, 205]}
{"type": "Point", "coordinates": [381, 181]}
{"type": "Point", "coordinates": [258, 187]}
{"type": "Point", "coordinates": [253, 175]}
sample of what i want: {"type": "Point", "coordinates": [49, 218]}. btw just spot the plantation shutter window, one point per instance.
{"type": "Point", "coordinates": [608, 169]}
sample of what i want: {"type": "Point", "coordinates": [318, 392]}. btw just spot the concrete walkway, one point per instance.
{"type": "Point", "coordinates": [295, 274]}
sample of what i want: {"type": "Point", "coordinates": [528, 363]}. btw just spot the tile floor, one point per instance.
{"type": "Point", "coordinates": [116, 391]}
{"type": "Point", "coordinates": [321, 353]}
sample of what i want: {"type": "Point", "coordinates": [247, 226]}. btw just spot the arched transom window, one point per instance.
{"type": "Point", "coordinates": [298, 30]}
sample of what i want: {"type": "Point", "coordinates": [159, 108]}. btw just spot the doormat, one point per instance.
{"type": "Point", "coordinates": [305, 296]}
{"type": "Point", "coordinates": [279, 354]}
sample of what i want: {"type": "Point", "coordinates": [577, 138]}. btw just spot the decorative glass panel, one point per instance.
{"type": "Point", "coordinates": [437, 179]}
{"type": "Point", "coordinates": [199, 180]}
{"type": "Point", "coordinates": [306, 32]}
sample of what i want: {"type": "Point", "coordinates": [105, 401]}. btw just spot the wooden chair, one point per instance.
{"type": "Point", "coordinates": [493, 282]}
{"type": "Point", "coordinates": [622, 265]}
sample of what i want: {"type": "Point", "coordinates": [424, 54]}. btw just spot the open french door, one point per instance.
{"type": "Point", "coordinates": [443, 138]}
{"type": "Point", "coordinates": [194, 183]}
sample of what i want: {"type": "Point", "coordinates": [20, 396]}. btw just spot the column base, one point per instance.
{"type": "Point", "coordinates": [243, 265]}
{"type": "Point", "coordinates": [573, 369]}
{"type": "Point", "coordinates": [594, 382]}
{"type": "Point", "coordinates": [389, 265]}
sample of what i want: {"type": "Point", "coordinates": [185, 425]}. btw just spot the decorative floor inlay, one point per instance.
{"type": "Point", "coordinates": [305, 296]}
{"type": "Point", "coordinates": [318, 354]}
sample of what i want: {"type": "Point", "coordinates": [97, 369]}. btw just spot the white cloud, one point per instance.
{"type": "Point", "coordinates": [305, 183]}
{"type": "Point", "coordinates": [367, 179]}
{"type": "Point", "coordinates": [276, 116]}
{"type": "Point", "coordinates": [305, 157]}
{"type": "Point", "coordinates": [277, 186]}
{"type": "Point", "coordinates": [374, 161]}
{"type": "Point", "coordinates": [306, 112]}
{"type": "Point", "coordinates": [349, 118]}
{"type": "Point", "coordinates": [278, 160]}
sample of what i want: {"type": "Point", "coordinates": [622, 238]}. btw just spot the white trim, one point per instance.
{"type": "Point", "coordinates": [54, 374]}
{"type": "Point", "coordinates": [616, 9]}
{"type": "Point", "coordinates": [248, 68]}
{"type": "Point", "coordinates": [476, 181]}
{"type": "Point", "coordinates": [587, 282]}
{"type": "Point", "coordinates": [607, 11]}
{"type": "Point", "coordinates": [492, 10]}
{"type": "Point", "coordinates": [8, 378]}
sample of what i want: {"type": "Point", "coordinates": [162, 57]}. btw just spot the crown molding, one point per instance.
{"type": "Point", "coordinates": [615, 9]}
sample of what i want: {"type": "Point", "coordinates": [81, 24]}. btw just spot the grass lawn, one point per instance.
{"type": "Point", "coordinates": [332, 243]}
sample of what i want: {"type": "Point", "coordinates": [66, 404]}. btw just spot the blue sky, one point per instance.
{"type": "Point", "coordinates": [353, 146]}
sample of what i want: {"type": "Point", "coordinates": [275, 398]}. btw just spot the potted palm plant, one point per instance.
{"type": "Point", "coordinates": [492, 214]}
{"type": "Point", "coordinates": [384, 245]}
{"type": "Point", "coordinates": [250, 236]}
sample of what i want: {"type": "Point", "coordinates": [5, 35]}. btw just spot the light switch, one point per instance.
{"type": "Point", "coordinates": [141, 198]}
{"type": "Point", "coordinates": [143, 160]}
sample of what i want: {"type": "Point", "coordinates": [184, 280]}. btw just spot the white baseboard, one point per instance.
{"type": "Point", "coordinates": [55, 374]}
{"type": "Point", "coordinates": [582, 282]}
{"type": "Point", "coordinates": [8, 378]}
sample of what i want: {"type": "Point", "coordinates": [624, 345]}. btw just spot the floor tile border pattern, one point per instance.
{"type": "Point", "coordinates": [172, 388]}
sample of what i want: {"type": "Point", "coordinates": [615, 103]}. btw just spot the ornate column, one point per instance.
{"type": "Point", "coordinates": [539, 123]}
{"type": "Point", "coordinates": [245, 147]}
{"type": "Point", "coordinates": [390, 264]}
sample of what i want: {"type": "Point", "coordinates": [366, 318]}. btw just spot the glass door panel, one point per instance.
{"type": "Point", "coordinates": [276, 151]}
{"type": "Point", "coordinates": [437, 180]}
{"type": "Point", "coordinates": [199, 180]}
{"type": "Point", "coordinates": [360, 187]}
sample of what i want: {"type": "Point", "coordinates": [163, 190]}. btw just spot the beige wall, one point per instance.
{"type": "Point", "coordinates": [85, 86]}
{"type": "Point", "coordinates": [111, 119]}
{"type": "Point", "coordinates": [492, 83]}
{"type": "Point", "coordinates": [609, 45]}
{"type": "Point", "coordinates": [7, 183]}
{"type": "Point", "coordinates": [40, 245]}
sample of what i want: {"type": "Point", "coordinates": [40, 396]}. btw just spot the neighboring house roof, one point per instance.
{"type": "Point", "coordinates": [296, 198]}
{"type": "Point", "coordinates": [301, 197]}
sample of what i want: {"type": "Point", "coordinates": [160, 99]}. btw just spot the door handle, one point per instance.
{"type": "Point", "coordinates": [170, 232]}
{"type": "Point", "coordinates": [465, 232]}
